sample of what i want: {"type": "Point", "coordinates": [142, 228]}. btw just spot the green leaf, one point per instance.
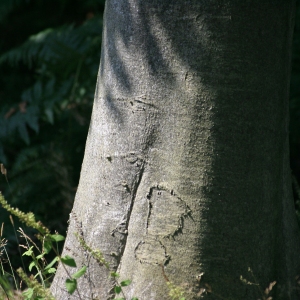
{"type": "Point", "coordinates": [79, 273]}
{"type": "Point", "coordinates": [40, 256]}
{"type": "Point", "coordinates": [57, 237]}
{"type": "Point", "coordinates": [134, 298]}
{"type": "Point", "coordinates": [32, 264]}
{"type": "Point", "coordinates": [71, 285]}
{"type": "Point", "coordinates": [28, 294]}
{"type": "Point", "coordinates": [50, 271]}
{"type": "Point", "coordinates": [29, 252]}
{"type": "Point", "coordinates": [114, 274]}
{"type": "Point", "coordinates": [125, 282]}
{"type": "Point", "coordinates": [47, 247]}
{"type": "Point", "coordinates": [117, 289]}
{"type": "Point", "coordinates": [49, 114]}
{"type": "Point", "coordinates": [69, 261]}
{"type": "Point", "coordinates": [51, 264]}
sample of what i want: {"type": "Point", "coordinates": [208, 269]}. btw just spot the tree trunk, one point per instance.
{"type": "Point", "coordinates": [186, 173]}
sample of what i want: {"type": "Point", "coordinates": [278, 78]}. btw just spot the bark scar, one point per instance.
{"type": "Point", "coordinates": [152, 251]}
{"type": "Point", "coordinates": [167, 211]}
{"type": "Point", "coordinates": [122, 227]}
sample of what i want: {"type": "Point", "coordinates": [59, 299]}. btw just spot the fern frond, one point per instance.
{"type": "Point", "coordinates": [28, 51]}
{"type": "Point", "coordinates": [53, 46]}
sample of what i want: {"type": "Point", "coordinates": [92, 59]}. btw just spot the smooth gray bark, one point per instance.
{"type": "Point", "coordinates": [186, 166]}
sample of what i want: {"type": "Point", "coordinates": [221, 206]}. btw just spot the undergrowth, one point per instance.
{"type": "Point", "coordinates": [38, 282]}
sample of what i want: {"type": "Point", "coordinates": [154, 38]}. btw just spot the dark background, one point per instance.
{"type": "Point", "coordinates": [49, 58]}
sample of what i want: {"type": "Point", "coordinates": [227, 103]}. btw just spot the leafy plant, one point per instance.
{"type": "Point", "coordinates": [46, 99]}
{"type": "Point", "coordinates": [38, 283]}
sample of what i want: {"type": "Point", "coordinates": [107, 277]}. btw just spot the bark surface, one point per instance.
{"type": "Point", "coordinates": [186, 173]}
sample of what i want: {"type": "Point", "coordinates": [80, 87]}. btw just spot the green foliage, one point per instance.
{"type": "Point", "coordinates": [35, 289]}
{"type": "Point", "coordinates": [69, 261]}
{"type": "Point", "coordinates": [5, 285]}
{"type": "Point", "coordinates": [175, 292]}
{"type": "Point", "coordinates": [61, 57]}
{"type": "Point", "coordinates": [71, 283]}
{"type": "Point", "coordinates": [28, 219]}
{"type": "Point", "coordinates": [50, 58]}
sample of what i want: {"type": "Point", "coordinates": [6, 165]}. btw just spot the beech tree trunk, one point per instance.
{"type": "Point", "coordinates": [186, 171]}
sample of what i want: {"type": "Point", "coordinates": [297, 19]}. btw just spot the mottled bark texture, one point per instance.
{"type": "Point", "coordinates": [186, 165]}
